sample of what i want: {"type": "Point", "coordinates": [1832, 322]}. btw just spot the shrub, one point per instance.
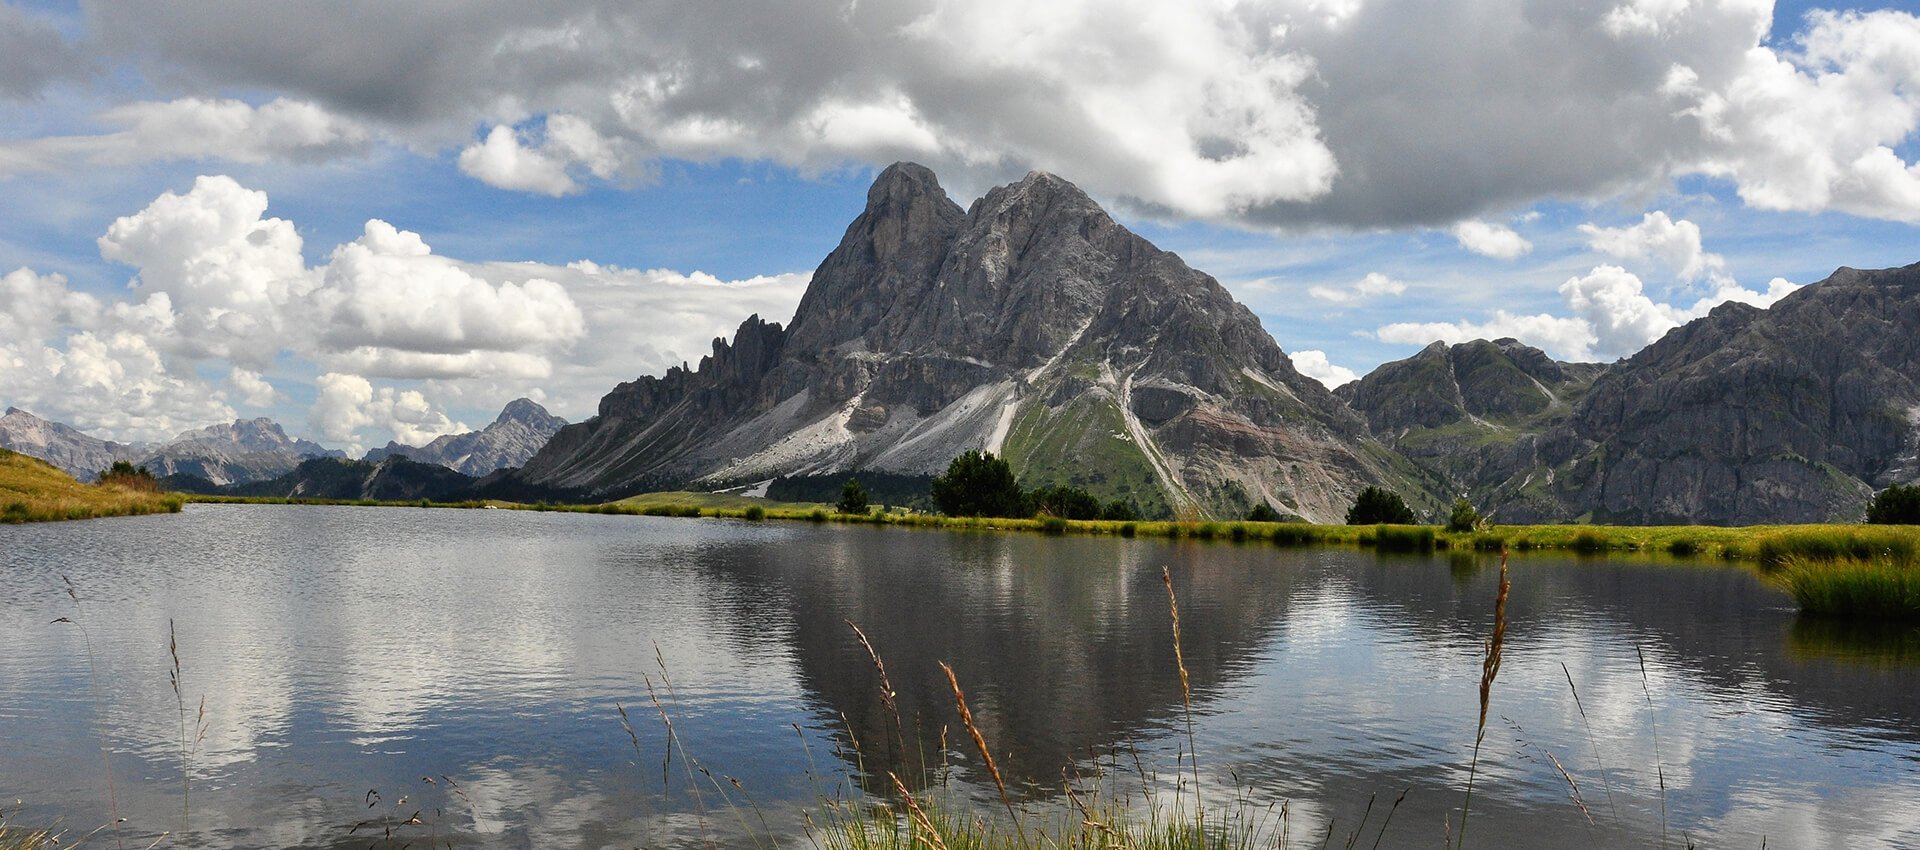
{"type": "Point", "coordinates": [853, 497]}
{"type": "Point", "coordinates": [1896, 505]}
{"type": "Point", "coordinates": [1294, 534]}
{"type": "Point", "coordinates": [1588, 541]}
{"type": "Point", "coordinates": [817, 515]}
{"type": "Point", "coordinates": [1238, 532]}
{"type": "Point", "coordinates": [979, 484]}
{"type": "Point", "coordinates": [1053, 525]}
{"type": "Point", "coordinates": [1121, 511]}
{"type": "Point", "coordinates": [1375, 506]}
{"type": "Point", "coordinates": [1263, 512]}
{"type": "Point", "coordinates": [1683, 547]}
{"type": "Point", "coordinates": [1129, 529]}
{"type": "Point", "coordinates": [124, 474]}
{"type": "Point", "coordinates": [1066, 501]}
{"type": "Point", "coordinates": [756, 513]}
{"type": "Point", "coordinates": [1463, 518]}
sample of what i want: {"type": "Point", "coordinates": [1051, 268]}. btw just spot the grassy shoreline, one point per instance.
{"type": "Point", "coordinates": [1769, 545]}
{"type": "Point", "coordinates": [32, 490]}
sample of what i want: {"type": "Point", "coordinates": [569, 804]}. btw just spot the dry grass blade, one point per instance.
{"type": "Point", "coordinates": [1572, 786]}
{"type": "Point", "coordinates": [980, 744]}
{"type": "Point", "coordinates": [1659, 765]}
{"type": "Point", "coordinates": [1598, 758]}
{"type": "Point", "coordinates": [1186, 695]}
{"type": "Point", "coordinates": [1489, 670]}
{"type": "Point", "coordinates": [924, 827]}
{"type": "Point", "coordinates": [887, 693]}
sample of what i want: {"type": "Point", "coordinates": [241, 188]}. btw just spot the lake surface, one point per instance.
{"type": "Point", "coordinates": [347, 655]}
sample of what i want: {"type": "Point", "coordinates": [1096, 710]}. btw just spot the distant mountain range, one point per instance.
{"type": "Point", "coordinates": [1032, 325]}
{"type": "Point", "coordinates": [219, 458]}
{"type": "Point", "coordinates": [521, 429]}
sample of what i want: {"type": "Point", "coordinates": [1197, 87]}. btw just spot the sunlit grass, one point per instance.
{"type": "Point", "coordinates": [32, 490]}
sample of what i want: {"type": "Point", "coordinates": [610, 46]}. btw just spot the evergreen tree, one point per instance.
{"type": "Point", "coordinates": [1896, 505]}
{"type": "Point", "coordinates": [853, 498]}
{"type": "Point", "coordinates": [1463, 517]}
{"type": "Point", "coordinates": [1263, 512]}
{"type": "Point", "coordinates": [979, 484]}
{"type": "Point", "coordinates": [1376, 505]}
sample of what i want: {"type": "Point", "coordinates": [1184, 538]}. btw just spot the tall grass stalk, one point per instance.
{"type": "Point", "coordinates": [980, 743]}
{"type": "Point", "coordinates": [1594, 742]}
{"type": "Point", "coordinates": [887, 694]}
{"type": "Point", "coordinates": [1489, 670]}
{"type": "Point", "coordinates": [1186, 697]}
{"type": "Point", "coordinates": [78, 620]}
{"type": "Point", "coordinates": [1653, 726]}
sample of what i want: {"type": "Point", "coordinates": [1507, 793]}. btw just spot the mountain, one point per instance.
{"type": "Point", "coordinates": [521, 429]}
{"type": "Point", "coordinates": [1795, 413]}
{"type": "Point", "coordinates": [1031, 325]}
{"type": "Point", "coordinates": [246, 450]}
{"type": "Point", "coordinates": [1791, 414]}
{"type": "Point", "coordinates": [1476, 413]}
{"type": "Point", "coordinates": [393, 479]}
{"type": "Point", "coordinates": [64, 446]}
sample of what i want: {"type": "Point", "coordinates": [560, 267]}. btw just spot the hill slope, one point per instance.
{"type": "Point", "coordinates": [34, 490]}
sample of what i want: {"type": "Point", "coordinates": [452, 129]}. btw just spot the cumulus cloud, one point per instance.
{"type": "Point", "coordinates": [1815, 127]}
{"type": "Point", "coordinates": [1659, 238]}
{"type": "Point", "coordinates": [231, 274]}
{"type": "Point", "coordinates": [1374, 284]}
{"type": "Point", "coordinates": [1314, 364]}
{"type": "Point", "coordinates": [1612, 317]}
{"type": "Point", "coordinates": [196, 128]}
{"type": "Point", "coordinates": [221, 286]}
{"type": "Point", "coordinates": [505, 161]}
{"type": "Point", "coordinates": [68, 356]}
{"type": "Point", "coordinates": [1491, 240]}
{"type": "Point", "coordinates": [254, 389]}
{"type": "Point", "coordinates": [346, 405]}
{"type": "Point", "coordinates": [386, 296]}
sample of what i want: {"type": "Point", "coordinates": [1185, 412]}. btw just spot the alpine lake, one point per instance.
{"type": "Point", "coordinates": [374, 677]}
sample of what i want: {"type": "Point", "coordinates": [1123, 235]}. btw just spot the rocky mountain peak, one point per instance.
{"type": "Point", "coordinates": [526, 411]}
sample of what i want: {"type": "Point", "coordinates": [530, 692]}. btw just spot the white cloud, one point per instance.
{"type": "Point", "coordinates": [1675, 244]}
{"type": "Point", "coordinates": [230, 274]}
{"type": "Point", "coordinates": [1314, 364]}
{"type": "Point", "coordinates": [1815, 127]}
{"type": "Point", "coordinates": [196, 128]}
{"type": "Point", "coordinates": [346, 405]}
{"type": "Point", "coordinates": [219, 285]}
{"type": "Point", "coordinates": [1567, 339]}
{"type": "Point", "coordinates": [254, 390]}
{"type": "Point", "coordinates": [387, 292]}
{"type": "Point", "coordinates": [503, 162]}
{"type": "Point", "coordinates": [1491, 240]}
{"type": "Point", "coordinates": [1613, 317]}
{"type": "Point", "coordinates": [1374, 284]}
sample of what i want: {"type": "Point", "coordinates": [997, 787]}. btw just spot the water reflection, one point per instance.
{"type": "Point", "coordinates": [343, 650]}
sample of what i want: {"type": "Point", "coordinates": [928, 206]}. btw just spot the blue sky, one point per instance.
{"type": "Point", "coordinates": [1366, 175]}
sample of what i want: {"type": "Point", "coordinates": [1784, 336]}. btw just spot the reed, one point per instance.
{"type": "Point", "coordinates": [1882, 588]}
{"type": "Point", "coordinates": [1489, 670]}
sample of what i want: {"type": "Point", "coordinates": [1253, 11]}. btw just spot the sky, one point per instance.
{"type": "Point", "coordinates": [375, 221]}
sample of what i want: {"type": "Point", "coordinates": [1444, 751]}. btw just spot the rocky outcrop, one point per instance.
{"type": "Point", "coordinates": [1795, 413]}
{"type": "Point", "coordinates": [521, 429]}
{"type": "Point", "coordinates": [64, 446]}
{"type": "Point", "coordinates": [1478, 414]}
{"type": "Point", "coordinates": [1030, 324]}
{"type": "Point", "coordinates": [246, 450]}
{"type": "Point", "coordinates": [1791, 414]}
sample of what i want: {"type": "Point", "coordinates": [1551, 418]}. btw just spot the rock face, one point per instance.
{"type": "Point", "coordinates": [64, 446]}
{"type": "Point", "coordinates": [1791, 414]}
{"type": "Point", "coordinates": [1477, 413]}
{"type": "Point", "coordinates": [1796, 413]}
{"type": "Point", "coordinates": [522, 428]}
{"type": "Point", "coordinates": [247, 450]}
{"type": "Point", "coordinates": [1031, 325]}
